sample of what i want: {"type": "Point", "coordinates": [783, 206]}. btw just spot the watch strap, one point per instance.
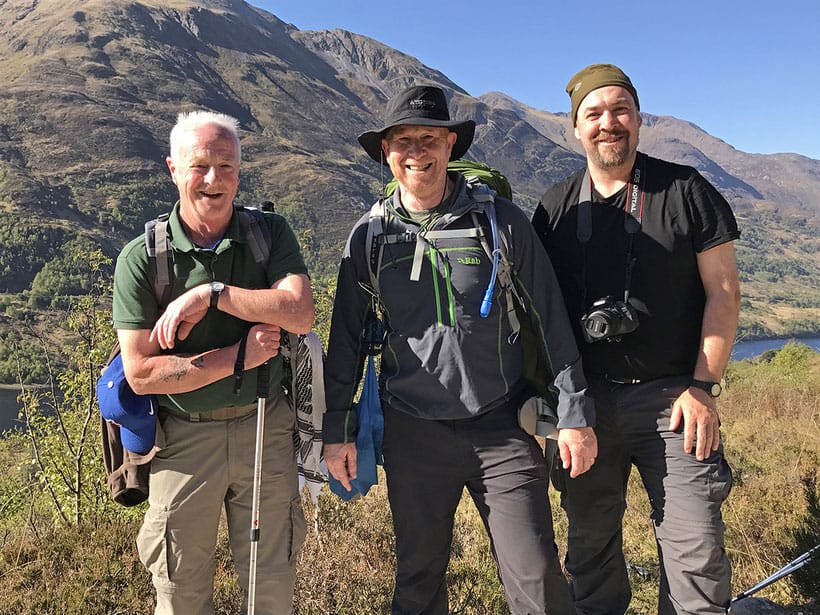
{"type": "Point", "coordinates": [712, 388]}
{"type": "Point", "coordinates": [216, 291]}
{"type": "Point", "coordinates": [239, 365]}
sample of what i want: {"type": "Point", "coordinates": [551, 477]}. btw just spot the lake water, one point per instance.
{"type": "Point", "coordinates": [9, 408]}
{"type": "Point", "coordinates": [747, 350]}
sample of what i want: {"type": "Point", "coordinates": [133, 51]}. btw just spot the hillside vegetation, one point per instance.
{"type": "Point", "coordinates": [67, 549]}
{"type": "Point", "coordinates": [91, 91]}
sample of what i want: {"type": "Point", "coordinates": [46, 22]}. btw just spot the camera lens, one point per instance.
{"type": "Point", "coordinates": [608, 319]}
{"type": "Point", "coordinates": [596, 326]}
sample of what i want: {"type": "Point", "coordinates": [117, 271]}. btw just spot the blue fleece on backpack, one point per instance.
{"type": "Point", "coordinates": [368, 438]}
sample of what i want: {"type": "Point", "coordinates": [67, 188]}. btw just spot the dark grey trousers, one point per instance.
{"type": "Point", "coordinates": [428, 465]}
{"type": "Point", "coordinates": [632, 425]}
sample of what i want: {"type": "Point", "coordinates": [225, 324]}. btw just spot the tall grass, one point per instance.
{"type": "Point", "coordinates": [772, 432]}
{"type": "Point", "coordinates": [771, 426]}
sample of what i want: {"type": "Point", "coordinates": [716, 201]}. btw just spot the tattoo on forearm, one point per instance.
{"type": "Point", "coordinates": [176, 368]}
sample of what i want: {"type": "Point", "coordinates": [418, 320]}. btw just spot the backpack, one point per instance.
{"type": "Point", "coordinates": [377, 239]}
{"type": "Point", "coordinates": [484, 183]}
{"type": "Point", "coordinates": [304, 387]}
{"type": "Point", "coordinates": [127, 472]}
{"type": "Point", "coordinates": [474, 172]}
{"type": "Point", "coordinates": [158, 248]}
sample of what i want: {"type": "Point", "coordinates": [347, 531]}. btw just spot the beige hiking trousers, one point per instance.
{"type": "Point", "coordinates": [203, 467]}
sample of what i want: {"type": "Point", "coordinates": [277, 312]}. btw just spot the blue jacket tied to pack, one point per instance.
{"type": "Point", "coordinates": [368, 439]}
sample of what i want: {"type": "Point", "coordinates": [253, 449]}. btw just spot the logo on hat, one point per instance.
{"type": "Point", "coordinates": [420, 103]}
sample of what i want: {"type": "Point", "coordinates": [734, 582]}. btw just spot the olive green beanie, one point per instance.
{"type": "Point", "coordinates": [593, 77]}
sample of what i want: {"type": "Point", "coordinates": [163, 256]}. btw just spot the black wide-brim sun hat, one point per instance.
{"type": "Point", "coordinates": [420, 105]}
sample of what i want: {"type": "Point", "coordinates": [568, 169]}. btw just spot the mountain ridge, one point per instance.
{"type": "Point", "coordinates": [92, 90]}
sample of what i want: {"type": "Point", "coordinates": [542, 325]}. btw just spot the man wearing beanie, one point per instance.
{"type": "Point", "coordinates": [452, 374]}
{"type": "Point", "coordinates": [644, 256]}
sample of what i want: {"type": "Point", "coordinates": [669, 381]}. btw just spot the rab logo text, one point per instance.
{"type": "Point", "coordinates": [469, 260]}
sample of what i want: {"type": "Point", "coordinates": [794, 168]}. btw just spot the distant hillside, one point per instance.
{"type": "Point", "coordinates": [776, 198]}
{"type": "Point", "coordinates": [789, 179]}
{"type": "Point", "coordinates": [92, 88]}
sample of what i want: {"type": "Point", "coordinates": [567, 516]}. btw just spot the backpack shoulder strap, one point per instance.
{"type": "Point", "coordinates": [254, 228]}
{"type": "Point", "coordinates": [374, 246]}
{"type": "Point", "coordinates": [158, 248]}
{"type": "Point", "coordinates": [483, 194]}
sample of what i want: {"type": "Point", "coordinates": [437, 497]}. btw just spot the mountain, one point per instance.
{"type": "Point", "coordinates": [789, 179]}
{"type": "Point", "coordinates": [92, 88]}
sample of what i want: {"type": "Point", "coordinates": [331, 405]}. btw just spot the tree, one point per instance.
{"type": "Point", "coordinates": [61, 420]}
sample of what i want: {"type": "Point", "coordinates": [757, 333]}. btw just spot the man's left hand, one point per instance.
{"type": "Point", "coordinates": [699, 414]}
{"type": "Point", "coordinates": [341, 462]}
{"type": "Point", "coordinates": [578, 448]}
{"type": "Point", "coordinates": [181, 315]}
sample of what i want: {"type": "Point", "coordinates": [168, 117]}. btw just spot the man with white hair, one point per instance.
{"type": "Point", "coordinates": [200, 354]}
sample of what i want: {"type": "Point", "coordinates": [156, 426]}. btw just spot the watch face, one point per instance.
{"type": "Point", "coordinates": [216, 290]}
{"type": "Point", "coordinates": [712, 388]}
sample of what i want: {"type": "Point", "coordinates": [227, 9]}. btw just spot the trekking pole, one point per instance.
{"type": "Point", "coordinates": [786, 570]}
{"type": "Point", "coordinates": [262, 388]}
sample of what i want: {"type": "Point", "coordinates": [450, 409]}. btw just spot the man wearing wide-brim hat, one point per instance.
{"type": "Point", "coordinates": [452, 372]}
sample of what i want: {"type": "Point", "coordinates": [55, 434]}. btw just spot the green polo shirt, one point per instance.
{"type": "Point", "coordinates": [232, 262]}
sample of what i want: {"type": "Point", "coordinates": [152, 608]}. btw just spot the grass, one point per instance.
{"type": "Point", "coordinates": [771, 426]}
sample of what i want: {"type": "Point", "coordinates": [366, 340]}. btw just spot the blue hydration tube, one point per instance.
{"type": "Point", "coordinates": [487, 303]}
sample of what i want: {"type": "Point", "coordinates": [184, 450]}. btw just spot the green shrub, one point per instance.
{"type": "Point", "coordinates": [771, 427]}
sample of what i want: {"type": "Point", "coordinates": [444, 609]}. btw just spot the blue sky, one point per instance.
{"type": "Point", "coordinates": [745, 72]}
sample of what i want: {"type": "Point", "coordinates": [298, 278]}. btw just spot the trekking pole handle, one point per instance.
{"type": "Point", "coordinates": [785, 571]}
{"type": "Point", "coordinates": [263, 380]}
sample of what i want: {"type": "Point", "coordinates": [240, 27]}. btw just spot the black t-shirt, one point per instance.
{"type": "Point", "coordinates": [682, 215]}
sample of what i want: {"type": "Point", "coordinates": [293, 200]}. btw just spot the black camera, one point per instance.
{"type": "Point", "coordinates": [608, 319]}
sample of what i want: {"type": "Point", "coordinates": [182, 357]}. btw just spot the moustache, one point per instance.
{"type": "Point", "coordinates": [607, 134]}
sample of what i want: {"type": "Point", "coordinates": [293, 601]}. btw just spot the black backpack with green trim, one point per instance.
{"type": "Point", "coordinates": [484, 183]}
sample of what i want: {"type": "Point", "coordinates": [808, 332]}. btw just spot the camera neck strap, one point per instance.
{"type": "Point", "coordinates": [633, 218]}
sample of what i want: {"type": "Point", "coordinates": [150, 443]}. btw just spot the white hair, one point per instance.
{"type": "Point", "coordinates": [192, 120]}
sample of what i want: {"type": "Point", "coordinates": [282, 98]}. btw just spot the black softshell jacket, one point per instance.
{"type": "Point", "coordinates": [442, 360]}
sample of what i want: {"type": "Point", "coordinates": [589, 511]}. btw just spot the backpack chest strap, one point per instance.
{"type": "Point", "coordinates": [426, 238]}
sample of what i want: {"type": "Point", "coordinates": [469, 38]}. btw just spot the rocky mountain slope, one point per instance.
{"type": "Point", "coordinates": [92, 88]}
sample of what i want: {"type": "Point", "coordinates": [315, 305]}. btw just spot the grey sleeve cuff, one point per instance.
{"type": "Point", "coordinates": [575, 407]}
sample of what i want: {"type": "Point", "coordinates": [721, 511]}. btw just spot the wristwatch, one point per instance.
{"type": "Point", "coordinates": [216, 290]}
{"type": "Point", "coordinates": [712, 388]}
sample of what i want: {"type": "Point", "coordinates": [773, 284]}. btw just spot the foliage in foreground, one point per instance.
{"type": "Point", "coordinates": [64, 548]}
{"type": "Point", "coordinates": [772, 432]}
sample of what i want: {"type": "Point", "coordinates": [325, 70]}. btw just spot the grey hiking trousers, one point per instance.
{"type": "Point", "coordinates": [632, 425]}
{"type": "Point", "coordinates": [428, 465]}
